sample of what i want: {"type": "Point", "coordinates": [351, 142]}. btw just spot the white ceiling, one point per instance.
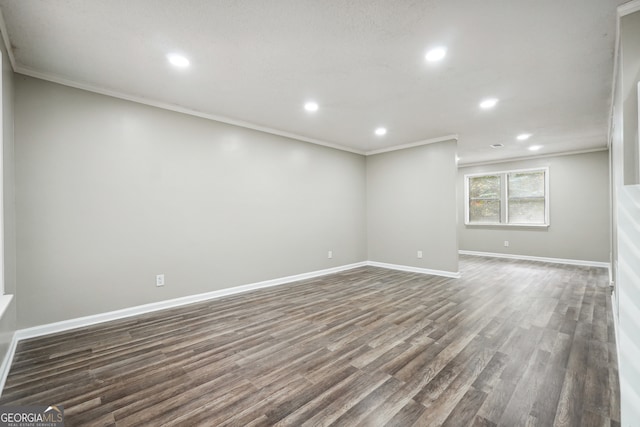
{"type": "Point", "coordinates": [550, 62]}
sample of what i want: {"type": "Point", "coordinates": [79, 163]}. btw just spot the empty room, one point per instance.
{"type": "Point", "coordinates": [314, 213]}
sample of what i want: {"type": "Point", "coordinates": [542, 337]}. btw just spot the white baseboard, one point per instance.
{"type": "Point", "coordinates": [80, 322]}
{"type": "Point", "coordinates": [537, 258]}
{"type": "Point", "coordinates": [452, 274]}
{"type": "Point", "coordinates": [65, 325]}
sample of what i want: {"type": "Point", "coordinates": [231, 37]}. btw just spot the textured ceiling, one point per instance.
{"type": "Point", "coordinates": [549, 62]}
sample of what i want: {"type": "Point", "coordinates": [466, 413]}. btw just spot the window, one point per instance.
{"type": "Point", "coordinates": [519, 197]}
{"type": "Point", "coordinates": [484, 198]}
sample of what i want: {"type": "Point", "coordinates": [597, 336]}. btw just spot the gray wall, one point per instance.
{"type": "Point", "coordinates": [579, 212]}
{"type": "Point", "coordinates": [110, 193]}
{"type": "Point", "coordinates": [411, 205]}
{"type": "Point", "coordinates": [626, 217]}
{"type": "Point", "coordinates": [8, 319]}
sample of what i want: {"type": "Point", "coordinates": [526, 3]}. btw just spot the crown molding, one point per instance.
{"type": "Point", "coordinates": [172, 107]}
{"type": "Point", "coordinates": [532, 157]}
{"type": "Point", "coordinates": [7, 43]}
{"type": "Point", "coordinates": [222, 119]}
{"type": "Point", "coordinates": [628, 8]}
{"type": "Point", "coordinates": [453, 137]}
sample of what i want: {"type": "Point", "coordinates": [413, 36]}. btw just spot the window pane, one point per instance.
{"type": "Point", "coordinates": [526, 211]}
{"type": "Point", "coordinates": [484, 187]}
{"type": "Point", "coordinates": [526, 184]}
{"type": "Point", "coordinates": [484, 211]}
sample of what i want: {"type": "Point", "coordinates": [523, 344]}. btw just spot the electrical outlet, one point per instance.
{"type": "Point", "coordinates": [159, 280]}
{"type": "Point", "coordinates": [419, 255]}
{"type": "Point", "coordinates": [330, 254]}
{"type": "Point", "coordinates": [506, 243]}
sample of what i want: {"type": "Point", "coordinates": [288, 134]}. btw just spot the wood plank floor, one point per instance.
{"type": "Point", "coordinates": [512, 343]}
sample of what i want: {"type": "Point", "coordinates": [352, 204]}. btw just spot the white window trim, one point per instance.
{"type": "Point", "coordinates": [504, 197]}
{"type": "Point", "coordinates": [5, 299]}
{"type": "Point", "coordinates": [2, 289]}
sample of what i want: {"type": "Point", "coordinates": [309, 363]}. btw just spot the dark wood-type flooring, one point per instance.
{"type": "Point", "coordinates": [512, 343]}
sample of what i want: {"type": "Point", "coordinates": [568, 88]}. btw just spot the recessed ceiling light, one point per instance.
{"type": "Point", "coordinates": [178, 60]}
{"type": "Point", "coordinates": [381, 131]}
{"type": "Point", "coordinates": [311, 106]}
{"type": "Point", "coordinates": [496, 145]}
{"type": "Point", "coordinates": [488, 103]}
{"type": "Point", "coordinates": [436, 54]}
{"type": "Point", "coordinates": [523, 136]}
{"type": "Point", "coordinates": [535, 147]}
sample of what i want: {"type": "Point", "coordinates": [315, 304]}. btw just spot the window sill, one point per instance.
{"type": "Point", "coordinates": [5, 300]}
{"type": "Point", "coordinates": [497, 225]}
